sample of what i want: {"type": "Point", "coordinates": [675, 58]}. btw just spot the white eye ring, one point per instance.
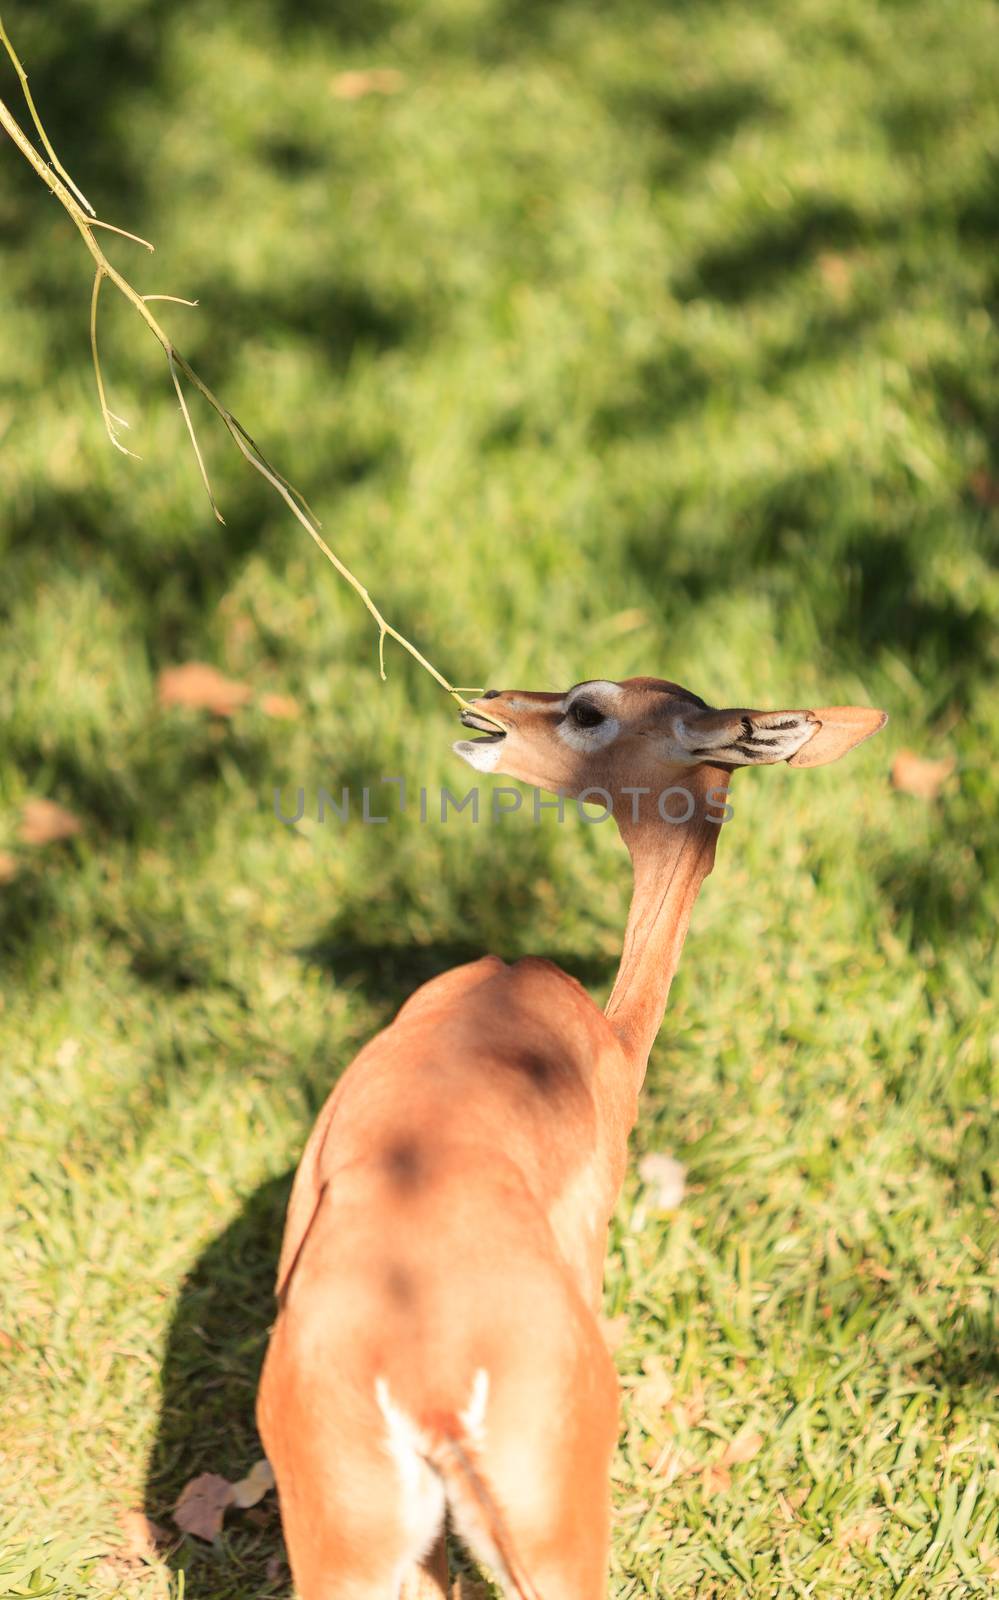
{"type": "Point", "coordinates": [602, 688]}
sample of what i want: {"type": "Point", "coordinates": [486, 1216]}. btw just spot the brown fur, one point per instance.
{"type": "Point", "coordinates": [449, 1216]}
{"type": "Point", "coordinates": [500, 1278]}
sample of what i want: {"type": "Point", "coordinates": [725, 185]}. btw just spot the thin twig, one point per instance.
{"type": "Point", "coordinates": [289, 486]}
{"type": "Point", "coordinates": [106, 412]}
{"type": "Point", "coordinates": [82, 216]}
{"type": "Point", "coordinates": [194, 438]}
{"type": "Point", "coordinates": [177, 299]}
{"type": "Point", "coordinates": [23, 76]}
{"type": "Point", "coordinates": [135, 237]}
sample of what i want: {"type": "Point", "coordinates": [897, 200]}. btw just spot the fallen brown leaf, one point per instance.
{"type": "Point", "coordinates": [985, 488]}
{"type": "Point", "coordinates": [743, 1447]}
{"type": "Point", "coordinates": [43, 822]}
{"type": "Point", "coordinates": [200, 687]}
{"type": "Point", "coordinates": [716, 1480]}
{"type": "Point", "coordinates": [9, 867]}
{"type": "Point", "coordinates": [202, 1504]}
{"type": "Point", "coordinates": [912, 774]}
{"type": "Point", "coordinates": [672, 1462]}
{"type": "Point", "coordinates": [836, 273]}
{"type": "Point", "coordinates": [989, 1557]}
{"type": "Point", "coordinates": [876, 1270]}
{"type": "Point", "coordinates": [863, 1530]}
{"type": "Point", "coordinates": [143, 1539]}
{"type": "Point", "coordinates": [622, 1514]}
{"type": "Point", "coordinates": [258, 1481]}
{"type": "Point", "coordinates": [377, 80]}
{"type": "Point", "coordinates": [786, 1509]}
{"type": "Point", "coordinates": [279, 705]}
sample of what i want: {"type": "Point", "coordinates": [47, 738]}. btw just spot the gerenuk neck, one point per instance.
{"type": "Point", "coordinates": [670, 860]}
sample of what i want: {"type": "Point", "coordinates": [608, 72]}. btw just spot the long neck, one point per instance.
{"type": "Point", "coordinates": [670, 862]}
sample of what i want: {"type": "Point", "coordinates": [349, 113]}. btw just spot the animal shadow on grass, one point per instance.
{"type": "Point", "coordinates": [386, 973]}
{"type": "Point", "coordinates": [210, 1374]}
{"type": "Point", "coordinates": [969, 1358]}
{"type": "Point", "coordinates": [214, 1353]}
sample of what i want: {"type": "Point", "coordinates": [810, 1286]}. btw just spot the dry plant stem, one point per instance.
{"type": "Point", "coordinates": [106, 412]}
{"type": "Point", "coordinates": [81, 212]}
{"type": "Point", "coordinates": [194, 438]}
{"type": "Point", "coordinates": [36, 119]}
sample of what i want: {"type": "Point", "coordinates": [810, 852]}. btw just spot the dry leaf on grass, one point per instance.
{"type": "Point", "coordinates": [785, 1508]}
{"type": "Point", "coordinates": [716, 1480]}
{"type": "Point", "coordinates": [201, 1507]}
{"type": "Point", "coordinates": [43, 822]}
{"type": "Point", "coordinates": [874, 1269]}
{"type": "Point", "coordinates": [743, 1447]}
{"type": "Point", "coordinates": [200, 687]}
{"type": "Point", "coordinates": [377, 80]}
{"type": "Point", "coordinates": [203, 1502]}
{"type": "Point", "coordinates": [258, 1481]}
{"type": "Point", "coordinates": [985, 488]}
{"type": "Point", "coordinates": [143, 1539]}
{"type": "Point", "coordinates": [862, 1530]}
{"type": "Point", "coordinates": [988, 1555]}
{"type": "Point", "coordinates": [9, 867]}
{"type": "Point", "coordinates": [671, 1462]}
{"type": "Point", "coordinates": [836, 272]}
{"type": "Point", "coordinates": [912, 774]}
{"type": "Point", "coordinates": [665, 1179]}
{"type": "Point", "coordinates": [279, 705]}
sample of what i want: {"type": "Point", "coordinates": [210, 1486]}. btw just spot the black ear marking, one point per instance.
{"type": "Point", "coordinates": [748, 738]}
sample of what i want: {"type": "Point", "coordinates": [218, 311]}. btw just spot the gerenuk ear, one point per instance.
{"type": "Point", "coordinates": [839, 729]}
{"type": "Point", "coordinates": [742, 738]}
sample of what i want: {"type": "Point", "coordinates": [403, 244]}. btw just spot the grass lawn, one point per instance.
{"type": "Point", "coordinates": [617, 339]}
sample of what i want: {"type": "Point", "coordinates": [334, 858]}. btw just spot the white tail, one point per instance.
{"type": "Point", "coordinates": [438, 1473]}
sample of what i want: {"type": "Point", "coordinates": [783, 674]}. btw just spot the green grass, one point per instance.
{"type": "Point", "coordinates": [622, 339]}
